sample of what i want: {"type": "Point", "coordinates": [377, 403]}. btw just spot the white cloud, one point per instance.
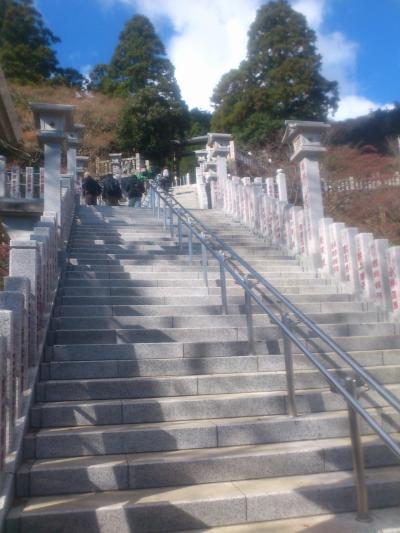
{"type": "Point", "coordinates": [210, 38]}
{"type": "Point", "coordinates": [353, 106]}
{"type": "Point", "coordinates": [339, 60]}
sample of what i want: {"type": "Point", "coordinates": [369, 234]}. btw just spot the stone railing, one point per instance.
{"type": "Point", "coordinates": [119, 166]}
{"type": "Point", "coordinates": [25, 308]}
{"type": "Point", "coordinates": [19, 183]}
{"type": "Point", "coordinates": [366, 266]}
{"type": "Point", "coordinates": [367, 184]}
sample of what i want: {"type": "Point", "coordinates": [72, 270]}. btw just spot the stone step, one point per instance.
{"type": "Point", "coordinates": [197, 321]}
{"type": "Point", "coordinates": [157, 282]}
{"type": "Point", "coordinates": [78, 441]}
{"type": "Point", "coordinates": [181, 366]}
{"type": "Point", "coordinates": [150, 387]}
{"type": "Point", "coordinates": [138, 471]}
{"type": "Point", "coordinates": [214, 332]}
{"type": "Point", "coordinates": [203, 406]}
{"type": "Point", "coordinates": [204, 505]}
{"type": "Point", "coordinates": [177, 267]}
{"type": "Point", "coordinates": [194, 300]}
{"type": "Point", "coordinates": [382, 521]}
{"type": "Point", "coordinates": [317, 310]}
{"type": "Point", "coordinates": [151, 350]}
{"type": "Point", "coordinates": [191, 275]}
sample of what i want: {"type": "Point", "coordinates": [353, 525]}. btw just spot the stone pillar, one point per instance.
{"type": "Point", "coordinates": [29, 182]}
{"type": "Point", "coordinates": [41, 182]}
{"type": "Point", "coordinates": [73, 141]}
{"type": "Point", "coordinates": [22, 286]}
{"type": "Point", "coordinates": [52, 121]}
{"type": "Point", "coordinates": [325, 246]}
{"type": "Point", "coordinates": [15, 182]}
{"type": "Point", "coordinates": [14, 301]}
{"type": "Point", "coordinates": [350, 258]}
{"type": "Point", "coordinates": [2, 176]}
{"type": "Point", "coordinates": [116, 165]}
{"type": "Point", "coordinates": [380, 273]}
{"type": "Point", "coordinates": [293, 244]}
{"type": "Point", "coordinates": [394, 279]}
{"type": "Point", "coordinates": [281, 183]}
{"type": "Point", "coordinates": [307, 150]}
{"type": "Point", "coordinates": [24, 262]}
{"type": "Point", "coordinates": [257, 194]}
{"type": "Point", "coordinates": [270, 187]}
{"type": "Point", "coordinates": [364, 265]}
{"type": "Point", "coordinates": [8, 371]}
{"type": "Point", "coordinates": [335, 236]}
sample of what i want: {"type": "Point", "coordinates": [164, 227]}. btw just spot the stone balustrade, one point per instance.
{"type": "Point", "coordinates": [35, 265]}
{"type": "Point", "coordinates": [21, 183]}
{"type": "Point", "coordinates": [359, 263]}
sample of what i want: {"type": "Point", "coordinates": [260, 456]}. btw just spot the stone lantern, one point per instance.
{"type": "Point", "coordinates": [52, 121]}
{"type": "Point", "coordinates": [305, 140]}
{"type": "Point", "coordinates": [74, 139]}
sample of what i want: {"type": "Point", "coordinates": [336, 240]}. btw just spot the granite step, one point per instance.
{"type": "Point", "coordinates": [204, 505]}
{"type": "Point", "coordinates": [74, 441]}
{"type": "Point", "coordinates": [48, 477]}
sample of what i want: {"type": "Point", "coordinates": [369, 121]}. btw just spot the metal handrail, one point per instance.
{"type": "Point", "coordinates": [225, 255]}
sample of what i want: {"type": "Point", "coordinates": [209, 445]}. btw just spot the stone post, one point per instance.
{"type": "Point", "coordinates": [29, 182]}
{"type": "Point", "coordinates": [270, 187]}
{"type": "Point", "coordinates": [350, 258]}
{"type": "Point", "coordinates": [293, 244]}
{"type": "Point", "coordinates": [364, 265]}
{"type": "Point", "coordinates": [257, 194]}
{"type": "Point", "coordinates": [73, 141]}
{"type": "Point", "coordinates": [22, 286]}
{"type": "Point", "coordinates": [281, 183]}
{"type": "Point", "coordinates": [116, 165]}
{"type": "Point", "coordinates": [24, 262]}
{"type": "Point", "coordinates": [41, 182]}
{"type": "Point", "coordinates": [14, 301]}
{"type": "Point", "coordinates": [307, 151]}
{"type": "Point", "coordinates": [394, 279]}
{"type": "Point", "coordinates": [15, 182]}
{"type": "Point", "coordinates": [52, 121]}
{"type": "Point", "coordinates": [2, 176]}
{"type": "Point", "coordinates": [9, 413]}
{"type": "Point", "coordinates": [380, 273]}
{"type": "Point", "coordinates": [335, 236]}
{"type": "Point", "coordinates": [325, 246]}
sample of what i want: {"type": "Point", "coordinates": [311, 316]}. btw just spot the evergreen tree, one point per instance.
{"type": "Point", "coordinates": [25, 43]}
{"type": "Point", "coordinates": [150, 123]}
{"type": "Point", "coordinates": [280, 78]}
{"type": "Point", "coordinates": [155, 113]}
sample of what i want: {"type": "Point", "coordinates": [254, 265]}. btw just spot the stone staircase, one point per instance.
{"type": "Point", "coordinates": [151, 414]}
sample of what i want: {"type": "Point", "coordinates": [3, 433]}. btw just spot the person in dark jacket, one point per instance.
{"type": "Point", "coordinates": [90, 189]}
{"type": "Point", "coordinates": [112, 193]}
{"type": "Point", "coordinates": [134, 190]}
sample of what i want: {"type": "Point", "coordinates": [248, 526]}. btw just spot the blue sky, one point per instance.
{"type": "Point", "coordinates": [358, 39]}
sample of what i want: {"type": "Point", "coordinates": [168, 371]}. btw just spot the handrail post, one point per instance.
{"type": "Point", "coordinates": [204, 261]}
{"type": "Point", "coordinates": [165, 213]}
{"type": "Point", "coordinates": [249, 313]}
{"type": "Point", "coordinates": [287, 349]}
{"type": "Point", "coordinates": [171, 222]}
{"type": "Point", "coordinates": [222, 278]}
{"type": "Point", "coordinates": [358, 455]}
{"type": "Point", "coordinates": [180, 232]}
{"type": "Point", "coordinates": [158, 206]}
{"type": "Point", "coordinates": [190, 242]}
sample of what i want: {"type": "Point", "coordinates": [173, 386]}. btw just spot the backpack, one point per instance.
{"type": "Point", "coordinates": [112, 188]}
{"type": "Point", "coordinates": [134, 187]}
{"type": "Point", "coordinates": [91, 186]}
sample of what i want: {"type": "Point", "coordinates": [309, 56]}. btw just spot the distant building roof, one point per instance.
{"type": "Point", "coordinates": [10, 129]}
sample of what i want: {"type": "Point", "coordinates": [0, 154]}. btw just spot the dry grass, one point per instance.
{"type": "Point", "coordinates": [99, 114]}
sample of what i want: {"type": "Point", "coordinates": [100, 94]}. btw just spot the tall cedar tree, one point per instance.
{"type": "Point", "coordinates": [280, 79]}
{"type": "Point", "coordinates": [25, 43]}
{"type": "Point", "coordinates": [155, 113]}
